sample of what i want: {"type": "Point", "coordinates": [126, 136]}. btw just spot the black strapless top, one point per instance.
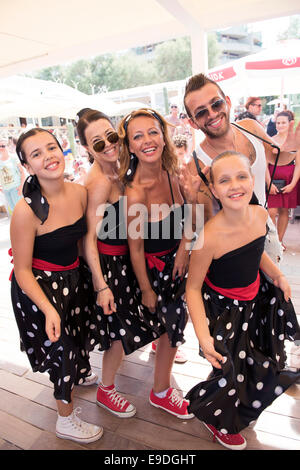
{"type": "Point", "coordinates": [239, 267]}
{"type": "Point", "coordinates": [164, 234]}
{"type": "Point", "coordinates": [60, 245]}
{"type": "Point", "coordinates": [113, 227]}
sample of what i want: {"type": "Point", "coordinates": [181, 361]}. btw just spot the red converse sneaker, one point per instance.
{"type": "Point", "coordinates": [180, 357]}
{"type": "Point", "coordinates": [111, 400]}
{"type": "Point", "coordinates": [172, 403]}
{"type": "Point", "coordinates": [231, 441]}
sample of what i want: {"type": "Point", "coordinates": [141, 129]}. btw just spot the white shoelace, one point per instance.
{"type": "Point", "coordinates": [77, 423]}
{"type": "Point", "coordinates": [176, 398]}
{"type": "Point", "coordinates": [116, 398]}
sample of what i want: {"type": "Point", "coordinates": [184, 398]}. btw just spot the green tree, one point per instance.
{"type": "Point", "coordinates": [172, 59]}
{"type": "Point", "coordinates": [54, 74]}
{"type": "Point", "coordinates": [293, 31]}
{"type": "Point", "coordinates": [213, 49]}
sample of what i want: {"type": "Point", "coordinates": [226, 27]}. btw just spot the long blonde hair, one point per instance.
{"type": "Point", "coordinates": [169, 157]}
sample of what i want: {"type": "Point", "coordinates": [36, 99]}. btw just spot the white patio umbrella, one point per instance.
{"type": "Point", "coordinates": [128, 106]}
{"type": "Point", "coordinates": [30, 97]}
{"type": "Point", "coordinates": [278, 101]}
{"type": "Point", "coordinates": [274, 71]}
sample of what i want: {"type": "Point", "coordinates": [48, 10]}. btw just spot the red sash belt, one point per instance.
{"type": "Point", "coordinates": [154, 261]}
{"type": "Point", "coordinates": [46, 266]}
{"type": "Point", "coordinates": [113, 250]}
{"type": "Point", "coordinates": [239, 293]}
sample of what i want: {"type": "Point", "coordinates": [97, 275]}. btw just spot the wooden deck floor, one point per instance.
{"type": "Point", "coordinates": [28, 411]}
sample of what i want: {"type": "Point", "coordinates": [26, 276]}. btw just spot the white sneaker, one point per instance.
{"type": "Point", "coordinates": [74, 429]}
{"type": "Point", "coordinates": [90, 379]}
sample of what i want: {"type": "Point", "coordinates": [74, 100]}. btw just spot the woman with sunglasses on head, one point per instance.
{"type": "Point", "coordinates": [120, 328]}
{"type": "Point", "coordinates": [49, 296]}
{"type": "Point", "coordinates": [241, 319]}
{"type": "Point", "coordinates": [158, 248]}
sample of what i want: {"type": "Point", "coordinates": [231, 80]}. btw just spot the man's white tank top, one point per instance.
{"type": "Point", "coordinates": [258, 167]}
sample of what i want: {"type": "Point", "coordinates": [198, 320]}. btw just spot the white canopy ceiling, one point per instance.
{"type": "Point", "coordinates": [35, 34]}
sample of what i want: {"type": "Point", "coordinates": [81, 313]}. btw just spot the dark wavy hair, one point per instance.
{"type": "Point", "coordinates": [36, 130]}
{"type": "Point", "coordinates": [288, 114]}
{"type": "Point", "coordinates": [86, 116]}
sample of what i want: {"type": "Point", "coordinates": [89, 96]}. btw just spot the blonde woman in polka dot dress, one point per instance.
{"type": "Point", "coordinates": [49, 297]}
{"type": "Point", "coordinates": [240, 318]}
{"type": "Point", "coordinates": [160, 251]}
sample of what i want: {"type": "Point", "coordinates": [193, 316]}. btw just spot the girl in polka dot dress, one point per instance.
{"type": "Point", "coordinates": [120, 326]}
{"type": "Point", "coordinates": [240, 318]}
{"type": "Point", "coordinates": [158, 252]}
{"type": "Point", "coordinates": [49, 297]}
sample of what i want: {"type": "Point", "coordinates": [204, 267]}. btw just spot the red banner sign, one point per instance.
{"type": "Point", "coordinates": [289, 62]}
{"type": "Point", "coordinates": [223, 74]}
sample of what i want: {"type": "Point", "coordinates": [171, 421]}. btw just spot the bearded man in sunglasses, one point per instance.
{"type": "Point", "coordinates": [209, 111]}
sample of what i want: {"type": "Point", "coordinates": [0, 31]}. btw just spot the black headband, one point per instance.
{"type": "Point", "coordinates": [147, 110]}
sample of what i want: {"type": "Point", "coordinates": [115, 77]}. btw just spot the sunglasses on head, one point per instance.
{"type": "Point", "coordinates": [112, 138]}
{"type": "Point", "coordinates": [216, 106]}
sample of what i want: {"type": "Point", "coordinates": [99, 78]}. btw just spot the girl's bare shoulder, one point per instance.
{"type": "Point", "coordinates": [260, 212]}
{"type": "Point", "coordinates": [23, 217]}
{"type": "Point", "coordinates": [77, 191]}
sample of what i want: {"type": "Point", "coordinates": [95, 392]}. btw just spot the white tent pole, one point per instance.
{"type": "Point", "coordinates": [281, 90]}
{"type": "Point", "coordinates": [199, 52]}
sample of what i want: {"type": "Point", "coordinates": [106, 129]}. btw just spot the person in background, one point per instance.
{"type": "Point", "coordinates": [173, 119]}
{"type": "Point", "coordinates": [12, 177]}
{"type": "Point", "coordinates": [181, 148]}
{"type": "Point", "coordinates": [186, 129]}
{"type": "Point", "coordinates": [245, 115]}
{"type": "Point", "coordinates": [285, 179]}
{"type": "Point", "coordinates": [254, 106]}
{"type": "Point", "coordinates": [271, 125]}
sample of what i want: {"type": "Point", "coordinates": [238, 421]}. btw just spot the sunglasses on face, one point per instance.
{"type": "Point", "coordinates": [112, 138]}
{"type": "Point", "coordinates": [2, 146]}
{"type": "Point", "coordinates": [256, 104]}
{"type": "Point", "coordinates": [216, 106]}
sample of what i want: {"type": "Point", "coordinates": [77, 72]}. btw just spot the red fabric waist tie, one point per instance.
{"type": "Point", "coordinates": [46, 266]}
{"type": "Point", "coordinates": [113, 250]}
{"type": "Point", "coordinates": [238, 293]}
{"type": "Point", "coordinates": [154, 261]}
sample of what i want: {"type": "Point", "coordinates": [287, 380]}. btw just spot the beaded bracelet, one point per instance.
{"type": "Point", "coordinates": [100, 290]}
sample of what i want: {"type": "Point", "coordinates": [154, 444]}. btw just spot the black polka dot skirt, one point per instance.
{"type": "Point", "coordinates": [127, 324]}
{"type": "Point", "coordinates": [67, 360]}
{"type": "Point", "coordinates": [250, 335]}
{"type": "Point", "coordinates": [171, 313]}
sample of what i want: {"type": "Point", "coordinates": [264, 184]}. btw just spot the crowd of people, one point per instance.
{"type": "Point", "coordinates": [130, 262]}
